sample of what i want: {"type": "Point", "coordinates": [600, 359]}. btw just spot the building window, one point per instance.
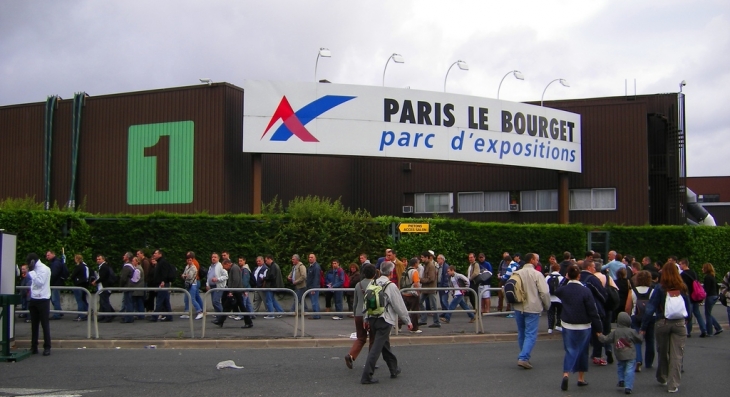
{"type": "Point", "coordinates": [539, 200]}
{"type": "Point", "coordinates": [471, 202]}
{"type": "Point", "coordinates": [708, 198]}
{"type": "Point", "coordinates": [593, 199]}
{"type": "Point", "coordinates": [434, 202]}
{"type": "Point", "coordinates": [496, 201]}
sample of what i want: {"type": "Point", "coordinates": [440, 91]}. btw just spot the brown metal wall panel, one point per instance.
{"type": "Point", "coordinates": [61, 153]}
{"type": "Point", "coordinates": [237, 167]}
{"type": "Point", "coordinates": [105, 133]}
{"type": "Point", "coordinates": [21, 146]}
{"type": "Point", "coordinates": [711, 185]}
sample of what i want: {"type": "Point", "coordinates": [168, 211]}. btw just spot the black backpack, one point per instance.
{"type": "Point", "coordinates": [202, 272]}
{"type": "Point", "coordinates": [613, 301]}
{"type": "Point", "coordinates": [641, 301]}
{"type": "Point", "coordinates": [553, 283]}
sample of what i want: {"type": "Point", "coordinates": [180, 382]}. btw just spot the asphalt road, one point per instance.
{"type": "Point", "coordinates": [453, 369]}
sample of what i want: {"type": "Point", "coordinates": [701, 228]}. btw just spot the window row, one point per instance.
{"type": "Point", "coordinates": [530, 200]}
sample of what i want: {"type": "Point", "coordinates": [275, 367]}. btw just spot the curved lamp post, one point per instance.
{"type": "Point", "coordinates": [324, 53]}
{"type": "Point", "coordinates": [562, 81]}
{"type": "Point", "coordinates": [397, 58]}
{"type": "Point", "coordinates": [518, 75]}
{"type": "Point", "coordinates": [461, 64]}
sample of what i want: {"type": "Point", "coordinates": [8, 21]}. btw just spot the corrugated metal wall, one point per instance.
{"type": "Point", "coordinates": [615, 155]}
{"type": "Point", "coordinates": [21, 146]}
{"type": "Point", "coordinates": [216, 113]}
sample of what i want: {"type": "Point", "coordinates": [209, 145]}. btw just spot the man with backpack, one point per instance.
{"type": "Point", "coordinates": [410, 279]}
{"type": "Point", "coordinates": [384, 306]}
{"type": "Point", "coordinates": [511, 268]}
{"type": "Point", "coordinates": [125, 281]}
{"type": "Point", "coordinates": [527, 312]}
{"type": "Point", "coordinates": [554, 280]}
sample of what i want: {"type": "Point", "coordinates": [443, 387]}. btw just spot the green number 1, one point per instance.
{"type": "Point", "coordinates": [160, 163]}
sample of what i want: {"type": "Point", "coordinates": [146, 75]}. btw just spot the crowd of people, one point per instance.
{"type": "Point", "coordinates": [653, 305]}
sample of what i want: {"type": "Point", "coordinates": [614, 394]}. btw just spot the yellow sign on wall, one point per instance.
{"type": "Point", "coordinates": [413, 227]}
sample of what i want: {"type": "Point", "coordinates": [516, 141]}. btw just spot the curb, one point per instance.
{"type": "Point", "coordinates": [274, 343]}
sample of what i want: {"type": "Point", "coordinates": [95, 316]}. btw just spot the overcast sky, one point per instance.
{"type": "Point", "coordinates": [105, 47]}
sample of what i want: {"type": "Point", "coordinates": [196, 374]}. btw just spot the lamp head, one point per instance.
{"type": "Point", "coordinates": [397, 58]}
{"type": "Point", "coordinates": [683, 83]}
{"type": "Point", "coordinates": [325, 52]}
{"type": "Point", "coordinates": [518, 75]}
{"type": "Point", "coordinates": [208, 81]}
{"type": "Point", "coordinates": [564, 83]}
{"type": "Point", "coordinates": [462, 65]}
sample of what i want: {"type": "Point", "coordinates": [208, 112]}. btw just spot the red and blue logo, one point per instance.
{"type": "Point", "coordinates": [293, 123]}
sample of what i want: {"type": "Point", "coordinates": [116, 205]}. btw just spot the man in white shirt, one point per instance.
{"type": "Point", "coordinates": [40, 302]}
{"type": "Point", "coordinates": [457, 280]}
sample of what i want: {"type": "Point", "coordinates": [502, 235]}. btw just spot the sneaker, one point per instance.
{"type": "Point", "coordinates": [676, 389]}
{"type": "Point", "coordinates": [550, 331]}
{"type": "Point", "coordinates": [609, 357]}
{"type": "Point", "coordinates": [434, 326]}
{"type": "Point", "coordinates": [627, 391]}
{"type": "Point", "coordinates": [418, 331]}
{"type": "Point", "coordinates": [185, 316]}
{"type": "Point", "coordinates": [510, 316]}
{"type": "Point", "coordinates": [559, 329]}
{"type": "Point", "coordinates": [199, 316]}
{"type": "Point", "coordinates": [269, 317]}
{"type": "Point", "coordinates": [472, 320]}
{"type": "Point", "coordinates": [599, 361]}
{"type": "Point", "coordinates": [231, 316]}
{"type": "Point", "coordinates": [718, 331]}
{"type": "Point", "coordinates": [638, 367]}
{"type": "Point", "coordinates": [336, 318]}
{"type": "Point", "coordinates": [620, 384]}
{"type": "Point", "coordinates": [524, 364]}
{"type": "Point", "coordinates": [279, 316]}
{"type": "Point", "coordinates": [237, 318]}
{"type": "Point", "coordinates": [442, 318]}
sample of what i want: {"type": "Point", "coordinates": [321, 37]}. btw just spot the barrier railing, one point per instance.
{"type": "Point", "coordinates": [170, 289]}
{"type": "Point", "coordinates": [89, 300]}
{"type": "Point", "coordinates": [477, 310]}
{"type": "Point", "coordinates": [306, 296]}
{"type": "Point", "coordinates": [224, 290]}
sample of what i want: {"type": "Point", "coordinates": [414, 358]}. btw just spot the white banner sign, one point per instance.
{"type": "Point", "coordinates": [336, 119]}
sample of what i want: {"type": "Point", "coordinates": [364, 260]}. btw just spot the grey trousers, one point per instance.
{"type": "Point", "coordinates": [671, 336]}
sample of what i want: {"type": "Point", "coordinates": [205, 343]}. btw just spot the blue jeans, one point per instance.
{"type": "Point", "coordinates": [338, 300]}
{"type": "Point", "coordinates": [696, 314]}
{"type": "Point", "coordinates": [314, 297]}
{"type": "Point", "coordinates": [458, 301]}
{"type": "Point", "coordinates": [195, 294]}
{"type": "Point", "coordinates": [128, 306]}
{"type": "Point", "coordinates": [81, 304]}
{"type": "Point", "coordinates": [710, 321]}
{"type": "Point", "coordinates": [216, 296]}
{"type": "Point", "coordinates": [527, 325]}
{"type": "Point", "coordinates": [272, 304]}
{"type": "Point", "coordinates": [575, 343]}
{"type": "Point", "coordinates": [56, 302]}
{"type": "Point", "coordinates": [138, 303]}
{"type": "Point", "coordinates": [625, 369]}
{"type": "Point", "coordinates": [648, 344]}
{"type": "Point", "coordinates": [430, 304]}
{"type": "Point", "coordinates": [444, 298]}
{"type": "Point", "coordinates": [162, 304]}
{"type": "Point", "coordinates": [300, 293]}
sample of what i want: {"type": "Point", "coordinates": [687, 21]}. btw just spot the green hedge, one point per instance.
{"type": "Point", "coordinates": [330, 231]}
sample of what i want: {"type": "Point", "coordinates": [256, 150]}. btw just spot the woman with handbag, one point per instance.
{"type": "Point", "coordinates": [192, 284]}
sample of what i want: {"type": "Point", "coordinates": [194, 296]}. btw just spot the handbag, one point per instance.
{"type": "Point", "coordinates": [484, 277]}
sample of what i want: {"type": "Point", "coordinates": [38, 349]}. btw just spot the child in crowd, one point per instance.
{"type": "Point", "coordinates": [623, 339]}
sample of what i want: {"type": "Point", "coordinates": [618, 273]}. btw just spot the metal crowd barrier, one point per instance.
{"type": "Point", "coordinates": [89, 300]}
{"type": "Point", "coordinates": [252, 313]}
{"type": "Point", "coordinates": [307, 294]}
{"type": "Point", "coordinates": [477, 310]}
{"type": "Point", "coordinates": [170, 289]}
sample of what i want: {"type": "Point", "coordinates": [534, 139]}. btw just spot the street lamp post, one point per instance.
{"type": "Point", "coordinates": [324, 53]}
{"type": "Point", "coordinates": [461, 64]}
{"type": "Point", "coordinates": [562, 81]}
{"type": "Point", "coordinates": [397, 58]}
{"type": "Point", "coordinates": [518, 75]}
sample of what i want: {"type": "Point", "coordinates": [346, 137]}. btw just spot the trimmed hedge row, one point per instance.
{"type": "Point", "coordinates": [342, 235]}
